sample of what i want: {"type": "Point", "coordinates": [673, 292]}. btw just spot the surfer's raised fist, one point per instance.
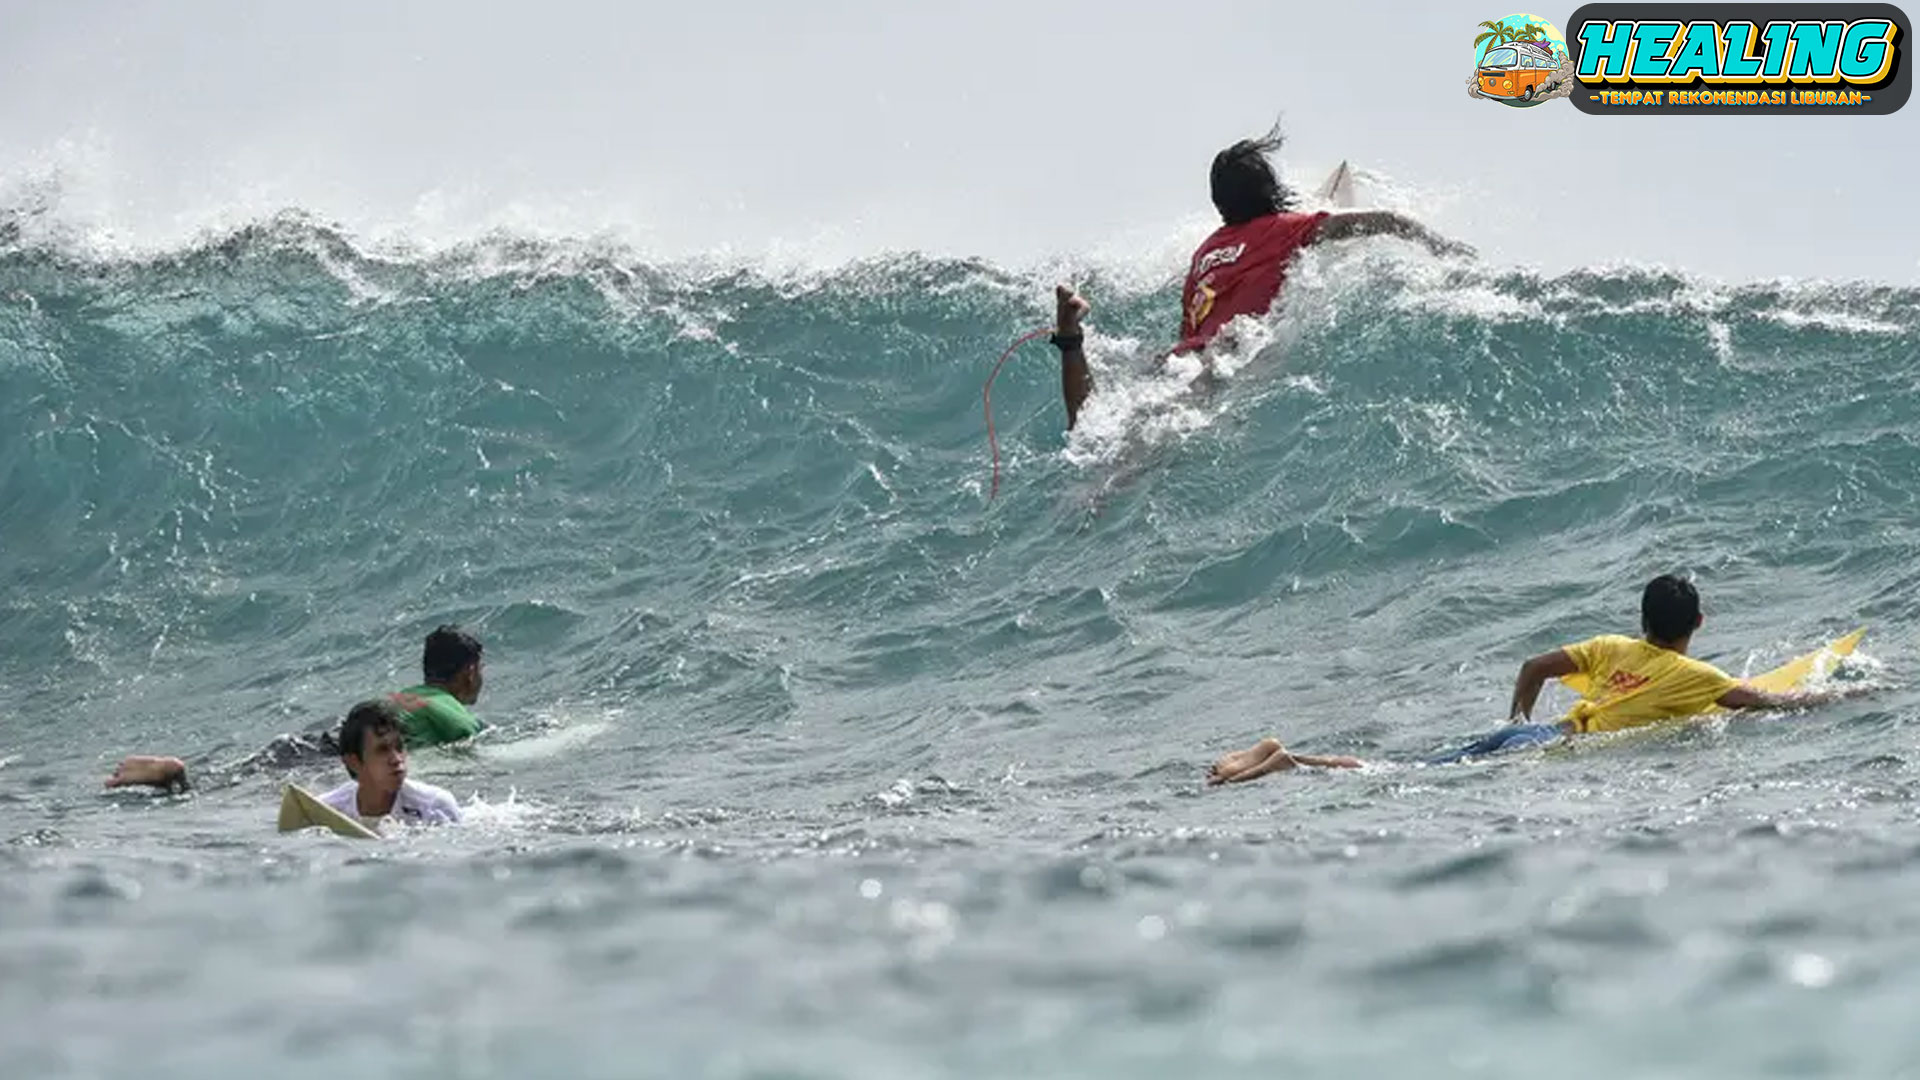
{"type": "Point", "coordinates": [1069, 308]}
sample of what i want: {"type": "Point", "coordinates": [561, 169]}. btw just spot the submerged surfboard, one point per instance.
{"type": "Point", "coordinates": [299, 809]}
{"type": "Point", "coordinates": [1783, 678]}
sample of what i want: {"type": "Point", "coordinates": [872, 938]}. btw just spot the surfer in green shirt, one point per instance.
{"type": "Point", "coordinates": [434, 712]}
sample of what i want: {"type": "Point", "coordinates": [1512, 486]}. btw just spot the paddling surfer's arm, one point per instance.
{"type": "Point", "coordinates": [1354, 224]}
{"type": "Point", "coordinates": [1076, 379]}
{"type": "Point", "coordinates": [1746, 697]}
{"type": "Point", "coordinates": [1534, 675]}
{"type": "Point", "coordinates": [142, 770]}
{"type": "Point", "coordinates": [1268, 756]}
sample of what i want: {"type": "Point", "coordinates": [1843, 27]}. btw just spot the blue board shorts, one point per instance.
{"type": "Point", "coordinates": [1514, 737]}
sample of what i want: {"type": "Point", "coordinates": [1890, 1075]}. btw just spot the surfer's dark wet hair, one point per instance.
{"type": "Point", "coordinates": [1669, 608]}
{"type": "Point", "coordinates": [369, 718]}
{"type": "Point", "coordinates": [1244, 183]}
{"type": "Point", "coordinates": [449, 651]}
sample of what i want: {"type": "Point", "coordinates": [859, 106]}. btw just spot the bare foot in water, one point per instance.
{"type": "Point", "coordinates": [1263, 757]}
{"type": "Point", "coordinates": [1069, 308]}
{"type": "Point", "coordinates": [150, 771]}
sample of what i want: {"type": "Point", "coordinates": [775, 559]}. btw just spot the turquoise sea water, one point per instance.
{"type": "Point", "coordinates": [811, 761]}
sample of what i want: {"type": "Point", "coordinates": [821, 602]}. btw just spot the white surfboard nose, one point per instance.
{"type": "Point", "coordinates": [1336, 191]}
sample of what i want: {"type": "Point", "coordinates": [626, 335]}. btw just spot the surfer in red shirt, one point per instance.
{"type": "Point", "coordinates": [1239, 269]}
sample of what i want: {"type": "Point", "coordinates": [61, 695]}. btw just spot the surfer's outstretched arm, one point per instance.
{"type": "Point", "coordinates": [1353, 224]}
{"type": "Point", "coordinates": [1268, 756]}
{"type": "Point", "coordinates": [170, 773]}
{"type": "Point", "coordinates": [1746, 697]}
{"type": "Point", "coordinates": [1076, 379]}
{"type": "Point", "coordinates": [142, 770]}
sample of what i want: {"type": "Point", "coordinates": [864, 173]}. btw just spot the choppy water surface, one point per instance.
{"type": "Point", "coordinates": [812, 762]}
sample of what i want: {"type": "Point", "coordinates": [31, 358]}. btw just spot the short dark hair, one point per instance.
{"type": "Point", "coordinates": [1669, 608]}
{"type": "Point", "coordinates": [449, 651]}
{"type": "Point", "coordinates": [369, 717]}
{"type": "Point", "coordinates": [1244, 183]}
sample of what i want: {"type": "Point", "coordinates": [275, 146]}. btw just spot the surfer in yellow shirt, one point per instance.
{"type": "Point", "coordinates": [1625, 682]}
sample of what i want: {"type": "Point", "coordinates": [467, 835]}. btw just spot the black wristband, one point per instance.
{"type": "Point", "coordinates": [1063, 342]}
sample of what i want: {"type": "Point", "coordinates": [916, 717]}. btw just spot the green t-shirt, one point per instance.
{"type": "Point", "coordinates": [434, 716]}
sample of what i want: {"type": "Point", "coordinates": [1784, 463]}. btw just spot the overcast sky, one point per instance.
{"type": "Point", "coordinates": [1011, 130]}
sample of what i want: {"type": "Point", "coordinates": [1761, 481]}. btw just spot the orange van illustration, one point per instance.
{"type": "Point", "coordinates": [1518, 69]}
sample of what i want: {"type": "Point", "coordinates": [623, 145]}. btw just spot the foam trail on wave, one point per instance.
{"type": "Point", "coordinates": [1144, 404]}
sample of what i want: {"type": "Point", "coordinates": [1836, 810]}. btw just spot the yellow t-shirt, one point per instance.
{"type": "Point", "coordinates": [1626, 682]}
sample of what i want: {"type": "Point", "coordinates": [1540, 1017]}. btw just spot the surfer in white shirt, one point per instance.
{"type": "Point", "coordinates": [373, 748]}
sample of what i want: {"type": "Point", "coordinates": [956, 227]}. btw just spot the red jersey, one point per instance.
{"type": "Point", "coordinates": [1238, 271]}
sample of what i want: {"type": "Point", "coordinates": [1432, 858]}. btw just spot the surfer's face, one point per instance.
{"type": "Point", "coordinates": [474, 681]}
{"type": "Point", "coordinates": [382, 761]}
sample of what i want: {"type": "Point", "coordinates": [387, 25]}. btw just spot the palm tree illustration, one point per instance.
{"type": "Point", "coordinates": [1534, 35]}
{"type": "Point", "coordinates": [1539, 37]}
{"type": "Point", "coordinates": [1497, 34]}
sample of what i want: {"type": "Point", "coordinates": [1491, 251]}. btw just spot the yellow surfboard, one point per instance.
{"type": "Point", "coordinates": [1783, 678]}
{"type": "Point", "coordinates": [1792, 674]}
{"type": "Point", "coordinates": [299, 809]}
